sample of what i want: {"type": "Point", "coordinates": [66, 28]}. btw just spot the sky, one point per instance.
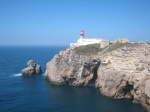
{"type": "Point", "coordinates": [59, 22]}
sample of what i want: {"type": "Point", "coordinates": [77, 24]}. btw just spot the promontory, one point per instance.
{"type": "Point", "coordinates": [119, 70]}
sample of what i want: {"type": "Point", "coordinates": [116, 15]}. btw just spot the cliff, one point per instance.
{"type": "Point", "coordinates": [72, 68]}
{"type": "Point", "coordinates": [119, 71]}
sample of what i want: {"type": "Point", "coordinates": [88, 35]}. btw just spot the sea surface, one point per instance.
{"type": "Point", "coordinates": [36, 94]}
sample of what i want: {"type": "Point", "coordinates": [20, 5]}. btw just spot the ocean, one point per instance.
{"type": "Point", "coordinates": [36, 94]}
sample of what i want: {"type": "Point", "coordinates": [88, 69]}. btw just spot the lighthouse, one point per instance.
{"type": "Point", "coordinates": [85, 41]}
{"type": "Point", "coordinates": [82, 34]}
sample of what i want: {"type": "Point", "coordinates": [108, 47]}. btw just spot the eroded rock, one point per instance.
{"type": "Point", "coordinates": [127, 76]}
{"type": "Point", "coordinates": [32, 69]}
{"type": "Point", "coordinates": [69, 67]}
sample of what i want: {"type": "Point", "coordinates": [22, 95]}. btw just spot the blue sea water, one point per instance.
{"type": "Point", "coordinates": [36, 94]}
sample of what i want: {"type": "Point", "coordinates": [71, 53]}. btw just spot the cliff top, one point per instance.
{"type": "Point", "coordinates": [89, 49]}
{"type": "Point", "coordinates": [95, 48]}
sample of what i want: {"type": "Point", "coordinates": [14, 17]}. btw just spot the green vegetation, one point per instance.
{"type": "Point", "coordinates": [92, 48]}
{"type": "Point", "coordinates": [95, 48]}
{"type": "Point", "coordinates": [88, 48]}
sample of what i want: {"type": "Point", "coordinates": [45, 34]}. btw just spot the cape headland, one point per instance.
{"type": "Point", "coordinates": [119, 70]}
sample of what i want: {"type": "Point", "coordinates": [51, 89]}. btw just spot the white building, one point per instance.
{"type": "Point", "coordinates": [85, 41]}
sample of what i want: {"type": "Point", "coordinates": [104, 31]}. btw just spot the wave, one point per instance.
{"type": "Point", "coordinates": [16, 75]}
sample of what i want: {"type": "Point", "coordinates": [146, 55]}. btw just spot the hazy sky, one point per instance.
{"type": "Point", "coordinates": [58, 22]}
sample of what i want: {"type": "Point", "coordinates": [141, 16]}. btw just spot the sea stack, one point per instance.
{"type": "Point", "coordinates": [32, 69]}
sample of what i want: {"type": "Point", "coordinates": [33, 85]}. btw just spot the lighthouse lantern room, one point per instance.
{"type": "Point", "coordinates": [82, 34]}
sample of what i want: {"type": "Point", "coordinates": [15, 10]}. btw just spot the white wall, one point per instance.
{"type": "Point", "coordinates": [87, 41]}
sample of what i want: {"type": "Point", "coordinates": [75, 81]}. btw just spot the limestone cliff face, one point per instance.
{"type": "Point", "coordinates": [72, 68]}
{"type": "Point", "coordinates": [125, 73]}
{"type": "Point", "coordinates": [121, 73]}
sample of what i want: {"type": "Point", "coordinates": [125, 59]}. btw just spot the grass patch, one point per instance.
{"type": "Point", "coordinates": [92, 48]}
{"type": "Point", "coordinates": [88, 48]}
{"type": "Point", "coordinates": [95, 48]}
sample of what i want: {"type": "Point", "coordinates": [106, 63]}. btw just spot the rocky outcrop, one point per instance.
{"type": "Point", "coordinates": [72, 68]}
{"type": "Point", "coordinates": [121, 73]}
{"type": "Point", "coordinates": [32, 69]}
{"type": "Point", "coordinates": [124, 73]}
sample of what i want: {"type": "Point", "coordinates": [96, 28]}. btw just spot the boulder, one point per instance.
{"type": "Point", "coordinates": [32, 69]}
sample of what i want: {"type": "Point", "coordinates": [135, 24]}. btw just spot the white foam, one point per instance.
{"type": "Point", "coordinates": [16, 75]}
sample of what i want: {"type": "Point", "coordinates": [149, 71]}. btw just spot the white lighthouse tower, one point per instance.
{"type": "Point", "coordinates": [82, 34]}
